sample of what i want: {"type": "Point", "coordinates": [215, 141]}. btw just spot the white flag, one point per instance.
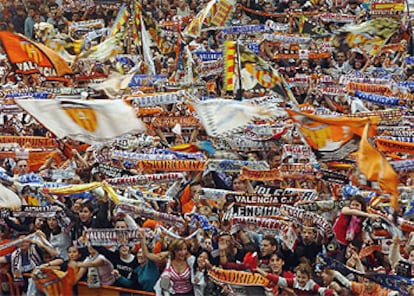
{"type": "Point", "coordinates": [221, 117]}
{"type": "Point", "coordinates": [87, 121]}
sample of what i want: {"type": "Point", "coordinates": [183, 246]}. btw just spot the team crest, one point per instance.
{"type": "Point", "coordinates": [31, 51]}
{"type": "Point", "coordinates": [81, 114]}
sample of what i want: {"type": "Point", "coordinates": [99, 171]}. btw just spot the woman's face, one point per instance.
{"type": "Point", "coordinates": [239, 185]}
{"type": "Point", "coordinates": [411, 257]}
{"type": "Point", "coordinates": [39, 222]}
{"type": "Point", "coordinates": [73, 253]}
{"type": "Point", "coordinates": [302, 278]}
{"type": "Point", "coordinates": [181, 254]}
{"type": "Point", "coordinates": [52, 223]}
{"type": "Point", "coordinates": [201, 260]}
{"type": "Point", "coordinates": [85, 214]}
{"type": "Point", "coordinates": [124, 250]}
{"type": "Point", "coordinates": [355, 205]}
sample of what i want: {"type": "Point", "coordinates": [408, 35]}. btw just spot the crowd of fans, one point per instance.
{"type": "Point", "coordinates": [178, 261]}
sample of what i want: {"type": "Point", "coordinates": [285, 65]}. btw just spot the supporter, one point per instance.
{"type": "Point", "coordinates": [58, 238]}
{"type": "Point", "coordinates": [22, 167]}
{"type": "Point", "coordinates": [307, 247]}
{"type": "Point", "coordinates": [348, 226]}
{"type": "Point", "coordinates": [29, 23]}
{"type": "Point", "coordinates": [276, 264]}
{"type": "Point", "coordinates": [176, 277]}
{"type": "Point", "coordinates": [366, 288]}
{"type": "Point", "coordinates": [302, 283]}
{"type": "Point", "coordinates": [97, 268]}
{"type": "Point", "coordinates": [18, 19]}
{"type": "Point", "coordinates": [25, 258]}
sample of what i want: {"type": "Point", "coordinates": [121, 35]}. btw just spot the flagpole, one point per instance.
{"type": "Point", "coordinates": [239, 90]}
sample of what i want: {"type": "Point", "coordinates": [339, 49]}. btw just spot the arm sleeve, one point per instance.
{"type": "Point", "coordinates": [395, 255]}
{"type": "Point", "coordinates": [127, 283]}
{"type": "Point", "coordinates": [342, 279]}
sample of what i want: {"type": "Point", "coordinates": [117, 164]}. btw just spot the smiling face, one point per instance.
{"type": "Point", "coordinates": [141, 257]}
{"type": "Point", "coordinates": [302, 278]}
{"type": "Point", "coordinates": [181, 254]}
{"type": "Point", "coordinates": [276, 264]}
{"type": "Point", "coordinates": [85, 214]}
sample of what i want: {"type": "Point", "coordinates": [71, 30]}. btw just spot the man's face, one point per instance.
{"type": "Point", "coordinates": [266, 247]}
{"type": "Point", "coordinates": [22, 167]}
{"type": "Point", "coordinates": [308, 235]}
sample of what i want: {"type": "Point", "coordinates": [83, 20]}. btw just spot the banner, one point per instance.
{"type": "Point", "coordinates": [30, 141]}
{"type": "Point", "coordinates": [309, 219]}
{"type": "Point", "coordinates": [109, 171]}
{"type": "Point", "coordinates": [140, 180]}
{"type": "Point", "coordinates": [78, 29]}
{"type": "Point", "coordinates": [35, 211]}
{"type": "Point", "coordinates": [112, 237]}
{"type": "Point", "coordinates": [150, 213]}
{"type": "Point", "coordinates": [171, 165]}
{"type": "Point", "coordinates": [323, 205]}
{"type": "Point", "coordinates": [240, 278]}
{"type": "Point", "coordinates": [89, 121]}
{"type": "Point", "coordinates": [208, 56]}
{"type": "Point", "coordinates": [145, 80]}
{"type": "Point", "coordinates": [229, 51]}
{"type": "Point", "coordinates": [227, 165]}
{"type": "Point", "coordinates": [279, 227]}
{"type": "Point", "coordinates": [254, 175]}
{"type": "Point", "coordinates": [297, 152]}
{"type": "Point", "coordinates": [386, 145]}
{"type": "Point", "coordinates": [253, 211]}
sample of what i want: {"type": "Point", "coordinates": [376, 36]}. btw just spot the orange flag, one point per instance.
{"type": "Point", "coordinates": [376, 167]}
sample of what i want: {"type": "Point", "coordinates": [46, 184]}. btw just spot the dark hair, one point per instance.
{"type": "Point", "coordinates": [360, 199]}
{"type": "Point", "coordinates": [279, 255]}
{"type": "Point", "coordinates": [357, 243]}
{"type": "Point", "coordinates": [271, 240]}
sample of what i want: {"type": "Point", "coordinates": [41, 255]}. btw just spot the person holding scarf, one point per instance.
{"type": "Point", "coordinates": [177, 276]}
{"type": "Point", "coordinates": [348, 225]}
{"type": "Point", "coordinates": [276, 263]}
{"type": "Point", "coordinates": [26, 257]}
{"type": "Point", "coordinates": [97, 265]}
{"type": "Point", "coordinates": [302, 284]}
{"type": "Point", "coordinates": [146, 273]}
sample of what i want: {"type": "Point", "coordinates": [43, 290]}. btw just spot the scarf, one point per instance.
{"type": "Point", "coordinates": [16, 261]}
{"type": "Point", "coordinates": [354, 228]}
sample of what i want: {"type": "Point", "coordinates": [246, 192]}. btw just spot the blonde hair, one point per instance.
{"type": "Point", "coordinates": [175, 246]}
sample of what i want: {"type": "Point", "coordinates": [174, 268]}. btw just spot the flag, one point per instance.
{"type": "Point", "coordinates": [229, 51]}
{"type": "Point", "coordinates": [376, 167]}
{"type": "Point", "coordinates": [120, 20]}
{"type": "Point", "coordinates": [224, 8]}
{"type": "Point", "coordinates": [221, 117]}
{"type": "Point", "coordinates": [146, 51]}
{"type": "Point", "coordinates": [104, 50]}
{"type": "Point", "coordinates": [114, 85]}
{"type": "Point", "coordinates": [369, 36]}
{"type": "Point", "coordinates": [84, 120]}
{"type": "Point", "coordinates": [137, 21]}
{"type": "Point", "coordinates": [255, 71]}
{"type": "Point", "coordinates": [194, 27]}
{"type": "Point", "coordinates": [164, 46]}
{"type": "Point", "coordinates": [27, 56]}
{"type": "Point", "coordinates": [330, 138]}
